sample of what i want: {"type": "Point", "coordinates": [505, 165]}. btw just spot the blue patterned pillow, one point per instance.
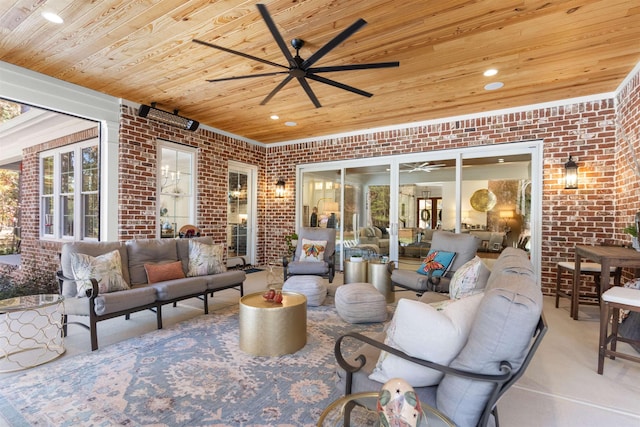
{"type": "Point", "coordinates": [438, 262]}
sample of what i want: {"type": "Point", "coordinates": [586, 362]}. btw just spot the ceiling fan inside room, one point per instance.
{"type": "Point", "coordinates": [303, 69]}
{"type": "Point", "coordinates": [423, 167]}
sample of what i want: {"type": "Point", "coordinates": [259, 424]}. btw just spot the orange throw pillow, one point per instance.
{"type": "Point", "coordinates": [161, 272]}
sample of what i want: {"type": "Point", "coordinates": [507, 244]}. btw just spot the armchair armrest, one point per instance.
{"type": "Point", "coordinates": [505, 367]}
{"type": "Point", "coordinates": [90, 293]}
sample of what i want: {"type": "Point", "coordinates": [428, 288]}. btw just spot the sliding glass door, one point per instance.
{"type": "Point", "coordinates": [241, 213]}
{"type": "Point", "coordinates": [396, 202]}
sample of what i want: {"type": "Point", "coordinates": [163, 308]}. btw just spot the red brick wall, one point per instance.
{"type": "Point", "coordinates": [585, 130]}
{"type": "Point", "coordinates": [627, 177]}
{"type": "Point", "coordinates": [138, 169]}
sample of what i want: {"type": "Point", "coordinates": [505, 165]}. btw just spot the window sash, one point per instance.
{"type": "Point", "coordinates": [69, 194]}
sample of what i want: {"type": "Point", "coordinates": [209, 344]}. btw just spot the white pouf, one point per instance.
{"type": "Point", "coordinates": [360, 303]}
{"type": "Point", "coordinates": [313, 287]}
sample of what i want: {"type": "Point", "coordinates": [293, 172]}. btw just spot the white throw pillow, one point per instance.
{"type": "Point", "coordinates": [205, 259]}
{"type": "Point", "coordinates": [471, 278]}
{"type": "Point", "coordinates": [421, 331]}
{"type": "Point", "coordinates": [313, 250]}
{"type": "Point", "coordinates": [106, 269]}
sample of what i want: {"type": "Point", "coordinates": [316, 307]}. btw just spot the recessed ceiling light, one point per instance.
{"type": "Point", "coordinates": [493, 86]}
{"type": "Point", "coordinates": [490, 72]}
{"type": "Point", "coordinates": [52, 17]}
{"type": "Point", "coordinates": [275, 117]}
{"type": "Point", "coordinates": [290, 124]}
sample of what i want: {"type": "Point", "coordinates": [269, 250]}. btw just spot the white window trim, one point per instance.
{"type": "Point", "coordinates": [77, 194]}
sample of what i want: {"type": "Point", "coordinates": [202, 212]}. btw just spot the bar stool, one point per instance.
{"type": "Point", "coordinates": [613, 300]}
{"type": "Point", "coordinates": [586, 268]}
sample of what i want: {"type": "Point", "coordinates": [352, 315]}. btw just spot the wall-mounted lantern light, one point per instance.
{"type": "Point", "coordinates": [570, 174]}
{"type": "Point", "coordinates": [280, 187]}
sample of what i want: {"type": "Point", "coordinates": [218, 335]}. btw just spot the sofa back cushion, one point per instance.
{"type": "Point", "coordinates": [93, 249]}
{"type": "Point", "coordinates": [502, 331]}
{"type": "Point", "coordinates": [148, 251]}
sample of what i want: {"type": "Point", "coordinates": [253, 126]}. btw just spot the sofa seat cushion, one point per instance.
{"type": "Point", "coordinates": [148, 251]}
{"type": "Point", "coordinates": [410, 278]}
{"type": "Point", "coordinates": [308, 268]}
{"type": "Point", "coordinates": [224, 280]}
{"type": "Point", "coordinates": [360, 303]}
{"type": "Point", "coordinates": [502, 331]}
{"type": "Point", "coordinates": [112, 302]}
{"type": "Point", "coordinates": [178, 288]}
{"type": "Point", "coordinates": [448, 330]}
{"type": "Point", "coordinates": [313, 287]}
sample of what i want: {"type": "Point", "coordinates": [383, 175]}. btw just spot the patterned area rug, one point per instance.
{"type": "Point", "coordinates": [191, 374]}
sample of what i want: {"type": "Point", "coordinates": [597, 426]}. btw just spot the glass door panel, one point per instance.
{"type": "Point", "coordinates": [176, 183]}
{"type": "Point", "coordinates": [237, 214]}
{"type": "Point", "coordinates": [496, 201]}
{"type": "Point", "coordinates": [427, 201]}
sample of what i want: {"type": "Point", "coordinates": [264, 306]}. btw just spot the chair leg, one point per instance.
{"type": "Point", "coordinates": [615, 322]}
{"type": "Point", "coordinates": [604, 327]}
{"type": "Point", "coordinates": [558, 279]}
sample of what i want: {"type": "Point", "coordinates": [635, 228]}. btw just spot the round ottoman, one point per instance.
{"type": "Point", "coordinates": [360, 303]}
{"type": "Point", "coordinates": [313, 287]}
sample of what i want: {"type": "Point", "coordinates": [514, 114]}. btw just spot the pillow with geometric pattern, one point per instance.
{"type": "Point", "coordinates": [313, 250]}
{"type": "Point", "coordinates": [106, 269]}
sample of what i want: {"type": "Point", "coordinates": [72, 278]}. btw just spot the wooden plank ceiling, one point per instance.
{"type": "Point", "coordinates": [142, 51]}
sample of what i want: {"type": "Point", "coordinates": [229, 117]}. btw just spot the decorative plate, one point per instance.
{"type": "Point", "coordinates": [483, 200]}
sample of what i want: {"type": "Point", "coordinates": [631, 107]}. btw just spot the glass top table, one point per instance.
{"type": "Point", "coordinates": [363, 412]}
{"type": "Point", "coordinates": [30, 331]}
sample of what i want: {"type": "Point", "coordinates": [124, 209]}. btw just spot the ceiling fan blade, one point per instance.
{"type": "Point", "coordinates": [247, 77]}
{"type": "Point", "coordinates": [333, 43]}
{"type": "Point", "coordinates": [312, 96]}
{"type": "Point", "coordinates": [353, 67]}
{"type": "Point", "coordinates": [339, 85]}
{"type": "Point", "coordinates": [275, 33]}
{"type": "Point", "coordinates": [235, 52]}
{"type": "Point", "coordinates": [277, 89]}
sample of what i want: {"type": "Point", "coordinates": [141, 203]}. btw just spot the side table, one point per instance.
{"type": "Point", "coordinates": [355, 271]}
{"type": "Point", "coordinates": [271, 329]}
{"type": "Point", "coordinates": [30, 331]}
{"type": "Point", "coordinates": [379, 275]}
{"type": "Point", "coordinates": [359, 409]}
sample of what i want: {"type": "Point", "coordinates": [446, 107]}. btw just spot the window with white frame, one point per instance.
{"type": "Point", "coordinates": [69, 198]}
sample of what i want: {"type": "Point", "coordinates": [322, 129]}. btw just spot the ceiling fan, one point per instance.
{"type": "Point", "coordinates": [302, 69]}
{"type": "Point", "coordinates": [424, 167]}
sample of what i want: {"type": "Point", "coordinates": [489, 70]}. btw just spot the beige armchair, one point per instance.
{"type": "Point", "coordinates": [374, 236]}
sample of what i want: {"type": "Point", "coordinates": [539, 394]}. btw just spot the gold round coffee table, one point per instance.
{"type": "Point", "coordinates": [271, 329]}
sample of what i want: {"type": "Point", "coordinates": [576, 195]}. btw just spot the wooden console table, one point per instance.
{"type": "Point", "coordinates": [607, 257]}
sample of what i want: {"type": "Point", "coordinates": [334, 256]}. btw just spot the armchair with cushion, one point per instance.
{"type": "Point", "coordinates": [464, 246]}
{"type": "Point", "coordinates": [314, 254]}
{"type": "Point", "coordinates": [476, 347]}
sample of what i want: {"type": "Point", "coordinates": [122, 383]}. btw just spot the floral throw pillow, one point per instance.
{"type": "Point", "coordinates": [106, 269]}
{"type": "Point", "coordinates": [313, 250]}
{"type": "Point", "coordinates": [469, 279]}
{"type": "Point", "coordinates": [205, 259]}
{"type": "Point", "coordinates": [437, 262]}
